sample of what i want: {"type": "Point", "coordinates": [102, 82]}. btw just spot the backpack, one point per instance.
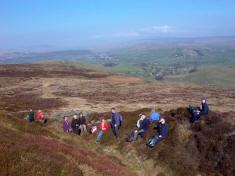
{"type": "Point", "coordinates": [93, 129]}
{"type": "Point", "coordinates": [139, 122]}
{"type": "Point", "coordinates": [152, 141]}
{"type": "Point", "coordinates": [120, 119]}
{"type": "Point", "coordinates": [193, 109]}
{"type": "Point", "coordinates": [154, 116]}
{"type": "Point", "coordinates": [130, 138]}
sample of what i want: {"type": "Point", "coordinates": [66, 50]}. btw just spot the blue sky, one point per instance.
{"type": "Point", "coordinates": [28, 24]}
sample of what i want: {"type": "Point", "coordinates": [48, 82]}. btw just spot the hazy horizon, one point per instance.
{"type": "Point", "coordinates": [84, 24]}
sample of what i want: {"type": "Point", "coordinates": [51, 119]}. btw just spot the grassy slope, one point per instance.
{"type": "Point", "coordinates": [206, 149]}
{"type": "Point", "coordinates": [200, 53]}
{"type": "Point", "coordinates": [77, 64]}
{"type": "Point", "coordinates": [213, 76]}
{"type": "Point", "coordinates": [216, 76]}
{"type": "Point", "coordinates": [33, 149]}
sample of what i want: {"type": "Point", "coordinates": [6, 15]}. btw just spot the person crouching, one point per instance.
{"type": "Point", "coordinates": [103, 128]}
{"type": "Point", "coordinates": [41, 117]}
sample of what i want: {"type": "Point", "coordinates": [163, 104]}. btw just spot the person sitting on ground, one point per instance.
{"type": "Point", "coordinates": [82, 123]}
{"type": "Point", "coordinates": [139, 121]}
{"type": "Point", "coordinates": [41, 117]}
{"type": "Point", "coordinates": [144, 126]}
{"type": "Point", "coordinates": [204, 111]}
{"type": "Point", "coordinates": [30, 115]}
{"type": "Point", "coordinates": [103, 128]}
{"type": "Point", "coordinates": [116, 119]}
{"type": "Point", "coordinates": [75, 125]}
{"type": "Point", "coordinates": [162, 129]}
{"type": "Point", "coordinates": [66, 126]}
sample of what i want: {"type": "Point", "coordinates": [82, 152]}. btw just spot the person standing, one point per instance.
{"type": "Point", "coordinates": [31, 115]}
{"type": "Point", "coordinates": [103, 128]}
{"type": "Point", "coordinates": [116, 120]}
{"type": "Point", "coordinates": [65, 124]}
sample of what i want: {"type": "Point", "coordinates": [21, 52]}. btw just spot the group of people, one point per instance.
{"type": "Point", "coordinates": [143, 125]}
{"type": "Point", "coordinates": [40, 116]}
{"type": "Point", "coordinates": [78, 125]}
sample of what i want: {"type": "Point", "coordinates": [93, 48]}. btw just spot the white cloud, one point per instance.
{"type": "Point", "coordinates": [155, 29]}
{"type": "Point", "coordinates": [139, 32]}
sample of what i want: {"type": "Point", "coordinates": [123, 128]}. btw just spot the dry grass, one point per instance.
{"type": "Point", "coordinates": [206, 149]}
{"type": "Point", "coordinates": [58, 88]}
{"type": "Point", "coordinates": [29, 152]}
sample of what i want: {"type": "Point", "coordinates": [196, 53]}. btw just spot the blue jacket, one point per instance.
{"type": "Point", "coordinates": [116, 118]}
{"type": "Point", "coordinates": [162, 129]}
{"type": "Point", "coordinates": [144, 125]}
{"type": "Point", "coordinates": [205, 109]}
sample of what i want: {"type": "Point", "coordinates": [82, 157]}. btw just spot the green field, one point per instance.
{"type": "Point", "coordinates": [212, 76]}
{"type": "Point", "coordinates": [169, 60]}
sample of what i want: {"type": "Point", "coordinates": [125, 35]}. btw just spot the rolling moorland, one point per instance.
{"type": "Point", "coordinates": [206, 62]}
{"type": "Point", "coordinates": [207, 149]}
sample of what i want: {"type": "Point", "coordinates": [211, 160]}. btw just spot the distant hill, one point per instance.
{"type": "Point", "coordinates": [152, 59]}
{"type": "Point", "coordinates": [30, 57]}
{"type": "Point", "coordinates": [222, 77]}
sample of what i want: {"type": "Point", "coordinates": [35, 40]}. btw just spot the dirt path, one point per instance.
{"type": "Point", "coordinates": [46, 92]}
{"type": "Point", "coordinates": [62, 89]}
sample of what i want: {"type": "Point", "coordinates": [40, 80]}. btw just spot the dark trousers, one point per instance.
{"type": "Point", "coordinates": [115, 130]}
{"type": "Point", "coordinates": [31, 120]}
{"type": "Point", "coordinates": [76, 131]}
{"type": "Point", "coordinates": [195, 117]}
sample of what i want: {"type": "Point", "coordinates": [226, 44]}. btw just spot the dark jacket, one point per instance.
{"type": "Point", "coordinates": [31, 116]}
{"type": "Point", "coordinates": [74, 123]}
{"type": "Point", "coordinates": [162, 129]}
{"type": "Point", "coordinates": [205, 109]}
{"type": "Point", "coordinates": [82, 120]}
{"type": "Point", "coordinates": [116, 119]}
{"type": "Point", "coordinates": [144, 125]}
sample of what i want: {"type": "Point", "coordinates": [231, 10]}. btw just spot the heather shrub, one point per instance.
{"type": "Point", "coordinates": [205, 148]}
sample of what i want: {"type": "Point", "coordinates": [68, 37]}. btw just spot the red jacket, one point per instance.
{"type": "Point", "coordinates": [106, 126]}
{"type": "Point", "coordinates": [40, 114]}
